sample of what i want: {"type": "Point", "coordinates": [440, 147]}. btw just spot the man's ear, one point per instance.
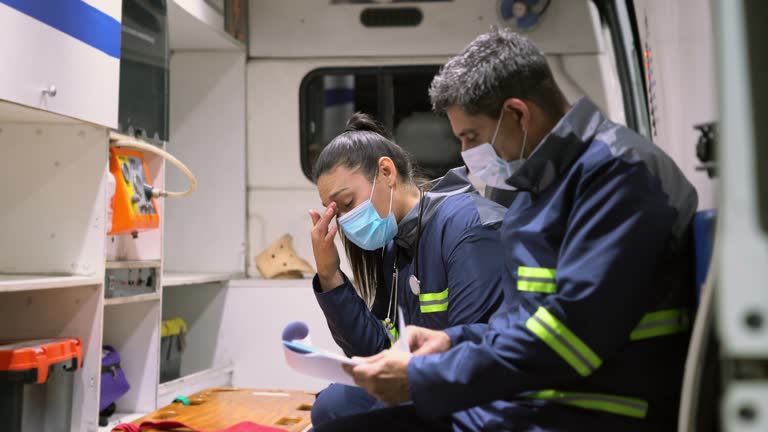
{"type": "Point", "coordinates": [519, 108]}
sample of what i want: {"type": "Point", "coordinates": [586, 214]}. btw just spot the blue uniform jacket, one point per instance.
{"type": "Point", "coordinates": [460, 265]}
{"type": "Point", "coordinates": [593, 331]}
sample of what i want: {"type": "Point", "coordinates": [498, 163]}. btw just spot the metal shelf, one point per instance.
{"type": "Point", "coordinates": [120, 418]}
{"type": "Point", "coordinates": [27, 282]}
{"type": "Point", "coordinates": [205, 379]}
{"type": "Point", "coordinates": [177, 279]}
{"type": "Point", "coordinates": [133, 264]}
{"type": "Point", "coordinates": [132, 299]}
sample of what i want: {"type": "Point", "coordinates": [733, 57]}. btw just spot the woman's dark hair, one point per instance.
{"type": "Point", "coordinates": [361, 145]}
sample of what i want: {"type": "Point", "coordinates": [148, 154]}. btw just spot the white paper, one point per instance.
{"type": "Point", "coordinates": [402, 342]}
{"type": "Point", "coordinates": [323, 364]}
{"type": "Point", "coordinates": [318, 364]}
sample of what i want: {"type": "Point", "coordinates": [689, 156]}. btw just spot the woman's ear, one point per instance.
{"type": "Point", "coordinates": [387, 171]}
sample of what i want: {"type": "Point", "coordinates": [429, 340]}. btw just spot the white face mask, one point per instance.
{"type": "Point", "coordinates": [484, 163]}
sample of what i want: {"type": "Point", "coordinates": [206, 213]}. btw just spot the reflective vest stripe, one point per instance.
{"type": "Point", "coordinates": [392, 334]}
{"type": "Point", "coordinates": [434, 302]}
{"type": "Point", "coordinates": [562, 340]}
{"type": "Point", "coordinates": [661, 323]}
{"type": "Point", "coordinates": [536, 272]}
{"type": "Point", "coordinates": [620, 405]}
{"type": "Point", "coordinates": [536, 286]}
{"type": "Point", "coordinates": [434, 308]}
{"type": "Point", "coordinates": [442, 295]}
{"type": "Point", "coordinates": [536, 279]}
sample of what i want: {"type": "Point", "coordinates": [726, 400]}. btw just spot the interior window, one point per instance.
{"type": "Point", "coordinates": [395, 96]}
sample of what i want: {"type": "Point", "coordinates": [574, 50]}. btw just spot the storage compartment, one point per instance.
{"type": "Point", "coordinates": [205, 231]}
{"type": "Point", "coordinates": [133, 330]}
{"type": "Point", "coordinates": [53, 198]}
{"type": "Point", "coordinates": [65, 400]}
{"type": "Point", "coordinates": [201, 307]}
{"type": "Point", "coordinates": [173, 342]}
{"type": "Point", "coordinates": [58, 65]}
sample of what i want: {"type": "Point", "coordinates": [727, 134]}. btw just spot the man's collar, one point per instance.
{"type": "Point", "coordinates": [560, 148]}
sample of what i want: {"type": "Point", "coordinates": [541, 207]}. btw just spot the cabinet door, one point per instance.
{"type": "Point", "coordinates": [62, 56]}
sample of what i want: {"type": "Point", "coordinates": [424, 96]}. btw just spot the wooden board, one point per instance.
{"type": "Point", "coordinates": [218, 408]}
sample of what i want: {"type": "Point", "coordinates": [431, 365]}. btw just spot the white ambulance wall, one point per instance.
{"type": "Point", "coordinates": [205, 232]}
{"type": "Point", "coordinates": [256, 313]}
{"type": "Point", "coordinates": [316, 28]}
{"type": "Point", "coordinates": [680, 36]}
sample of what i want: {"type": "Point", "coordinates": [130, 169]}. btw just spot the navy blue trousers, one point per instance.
{"type": "Point", "coordinates": [339, 400]}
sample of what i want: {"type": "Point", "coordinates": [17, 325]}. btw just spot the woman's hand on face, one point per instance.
{"type": "Point", "coordinates": [324, 248]}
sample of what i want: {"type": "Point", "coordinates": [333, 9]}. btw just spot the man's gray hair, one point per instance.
{"type": "Point", "coordinates": [494, 67]}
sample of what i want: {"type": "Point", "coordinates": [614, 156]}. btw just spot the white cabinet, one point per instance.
{"type": "Point", "coordinates": [52, 217]}
{"type": "Point", "coordinates": [62, 57]}
{"type": "Point", "coordinates": [52, 260]}
{"type": "Point", "coordinates": [53, 161]}
{"type": "Point", "coordinates": [196, 26]}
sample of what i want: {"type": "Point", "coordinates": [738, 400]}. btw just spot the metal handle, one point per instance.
{"type": "Point", "coordinates": [50, 91]}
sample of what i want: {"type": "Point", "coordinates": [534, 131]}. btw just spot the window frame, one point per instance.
{"type": "Point", "coordinates": [381, 72]}
{"type": "Point", "coordinates": [619, 16]}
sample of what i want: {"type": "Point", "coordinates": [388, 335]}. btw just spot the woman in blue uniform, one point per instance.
{"type": "Point", "coordinates": [436, 254]}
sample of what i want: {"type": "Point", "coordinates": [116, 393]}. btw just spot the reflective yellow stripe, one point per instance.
{"type": "Point", "coordinates": [536, 272]}
{"type": "Point", "coordinates": [442, 295]}
{"type": "Point", "coordinates": [661, 323]}
{"type": "Point", "coordinates": [620, 405]}
{"type": "Point", "coordinates": [395, 334]}
{"type": "Point", "coordinates": [555, 334]}
{"type": "Point", "coordinates": [434, 302]}
{"type": "Point", "coordinates": [442, 307]}
{"type": "Point", "coordinates": [536, 279]}
{"type": "Point", "coordinates": [542, 287]}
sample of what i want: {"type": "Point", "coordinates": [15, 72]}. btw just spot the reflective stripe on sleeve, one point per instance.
{"type": "Point", "coordinates": [536, 279]}
{"type": "Point", "coordinates": [661, 323]}
{"type": "Point", "coordinates": [434, 302]}
{"type": "Point", "coordinates": [562, 340]}
{"type": "Point", "coordinates": [630, 407]}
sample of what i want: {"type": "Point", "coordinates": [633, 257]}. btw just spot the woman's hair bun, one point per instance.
{"type": "Point", "coordinates": [359, 122]}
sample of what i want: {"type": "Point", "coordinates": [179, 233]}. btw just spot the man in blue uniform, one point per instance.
{"type": "Point", "coordinates": [597, 255]}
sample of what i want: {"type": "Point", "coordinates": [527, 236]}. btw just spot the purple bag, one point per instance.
{"type": "Point", "coordinates": [113, 382]}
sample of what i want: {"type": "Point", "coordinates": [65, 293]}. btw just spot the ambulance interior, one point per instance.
{"type": "Point", "coordinates": [247, 105]}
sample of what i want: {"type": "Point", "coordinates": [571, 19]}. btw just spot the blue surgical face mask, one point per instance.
{"type": "Point", "coordinates": [364, 227]}
{"type": "Point", "coordinates": [484, 163]}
